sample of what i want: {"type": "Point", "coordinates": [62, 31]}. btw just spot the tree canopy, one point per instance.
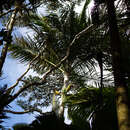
{"type": "Point", "coordinates": [82, 61]}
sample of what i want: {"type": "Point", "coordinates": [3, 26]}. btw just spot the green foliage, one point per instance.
{"type": "Point", "coordinates": [53, 33]}
{"type": "Point", "coordinates": [39, 96]}
{"type": "Point", "coordinates": [45, 38]}
{"type": "Point", "coordinates": [32, 4]}
{"type": "Point", "coordinates": [85, 106]}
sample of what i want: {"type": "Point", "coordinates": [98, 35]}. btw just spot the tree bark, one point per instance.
{"type": "Point", "coordinates": [63, 93]}
{"type": "Point", "coordinates": [119, 79]}
{"type": "Point", "coordinates": [5, 47]}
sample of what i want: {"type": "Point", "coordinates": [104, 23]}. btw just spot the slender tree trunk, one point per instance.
{"type": "Point", "coordinates": [63, 93]}
{"type": "Point", "coordinates": [100, 63]}
{"type": "Point", "coordinates": [6, 45]}
{"type": "Point", "coordinates": [121, 88]}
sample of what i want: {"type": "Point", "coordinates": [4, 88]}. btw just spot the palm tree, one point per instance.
{"type": "Point", "coordinates": [53, 35]}
{"type": "Point", "coordinates": [54, 40]}
{"type": "Point", "coordinates": [51, 39]}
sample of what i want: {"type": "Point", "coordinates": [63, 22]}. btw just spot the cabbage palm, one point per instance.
{"type": "Point", "coordinates": [52, 35]}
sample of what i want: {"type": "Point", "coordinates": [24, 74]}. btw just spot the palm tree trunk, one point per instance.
{"type": "Point", "coordinates": [5, 47]}
{"type": "Point", "coordinates": [121, 88]}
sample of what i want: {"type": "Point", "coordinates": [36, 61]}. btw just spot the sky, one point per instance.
{"type": "Point", "coordinates": [14, 69]}
{"type": "Point", "coordinates": [11, 71]}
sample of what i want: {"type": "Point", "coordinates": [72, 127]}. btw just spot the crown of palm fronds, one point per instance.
{"type": "Point", "coordinates": [53, 34]}
{"type": "Point", "coordinates": [26, 48]}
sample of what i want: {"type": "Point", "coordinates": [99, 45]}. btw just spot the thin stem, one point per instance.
{"type": "Point", "coordinates": [5, 13]}
{"type": "Point", "coordinates": [20, 78]}
{"type": "Point", "coordinates": [23, 112]}
{"type": "Point", "coordinates": [53, 64]}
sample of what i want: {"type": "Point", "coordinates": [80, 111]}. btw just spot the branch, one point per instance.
{"type": "Point", "coordinates": [23, 112]}
{"type": "Point", "coordinates": [76, 38]}
{"type": "Point", "coordinates": [25, 81]}
{"type": "Point", "coordinates": [14, 112]}
{"type": "Point", "coordinates": [23, 89]}
{"type": "Point", "coordinates": [20, 78]}
{"type": "Point", "coordinates": [53, 64]}
{"type": "Point", "coordinates": [55, 67]}
{"type": "Point", "coordinates": [11, 10]}
{"type": "Point", "coordinates": [68, 49]}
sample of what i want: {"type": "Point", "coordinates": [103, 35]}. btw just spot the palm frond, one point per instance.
{"type": "Point", "coordinates": [83, 15]}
